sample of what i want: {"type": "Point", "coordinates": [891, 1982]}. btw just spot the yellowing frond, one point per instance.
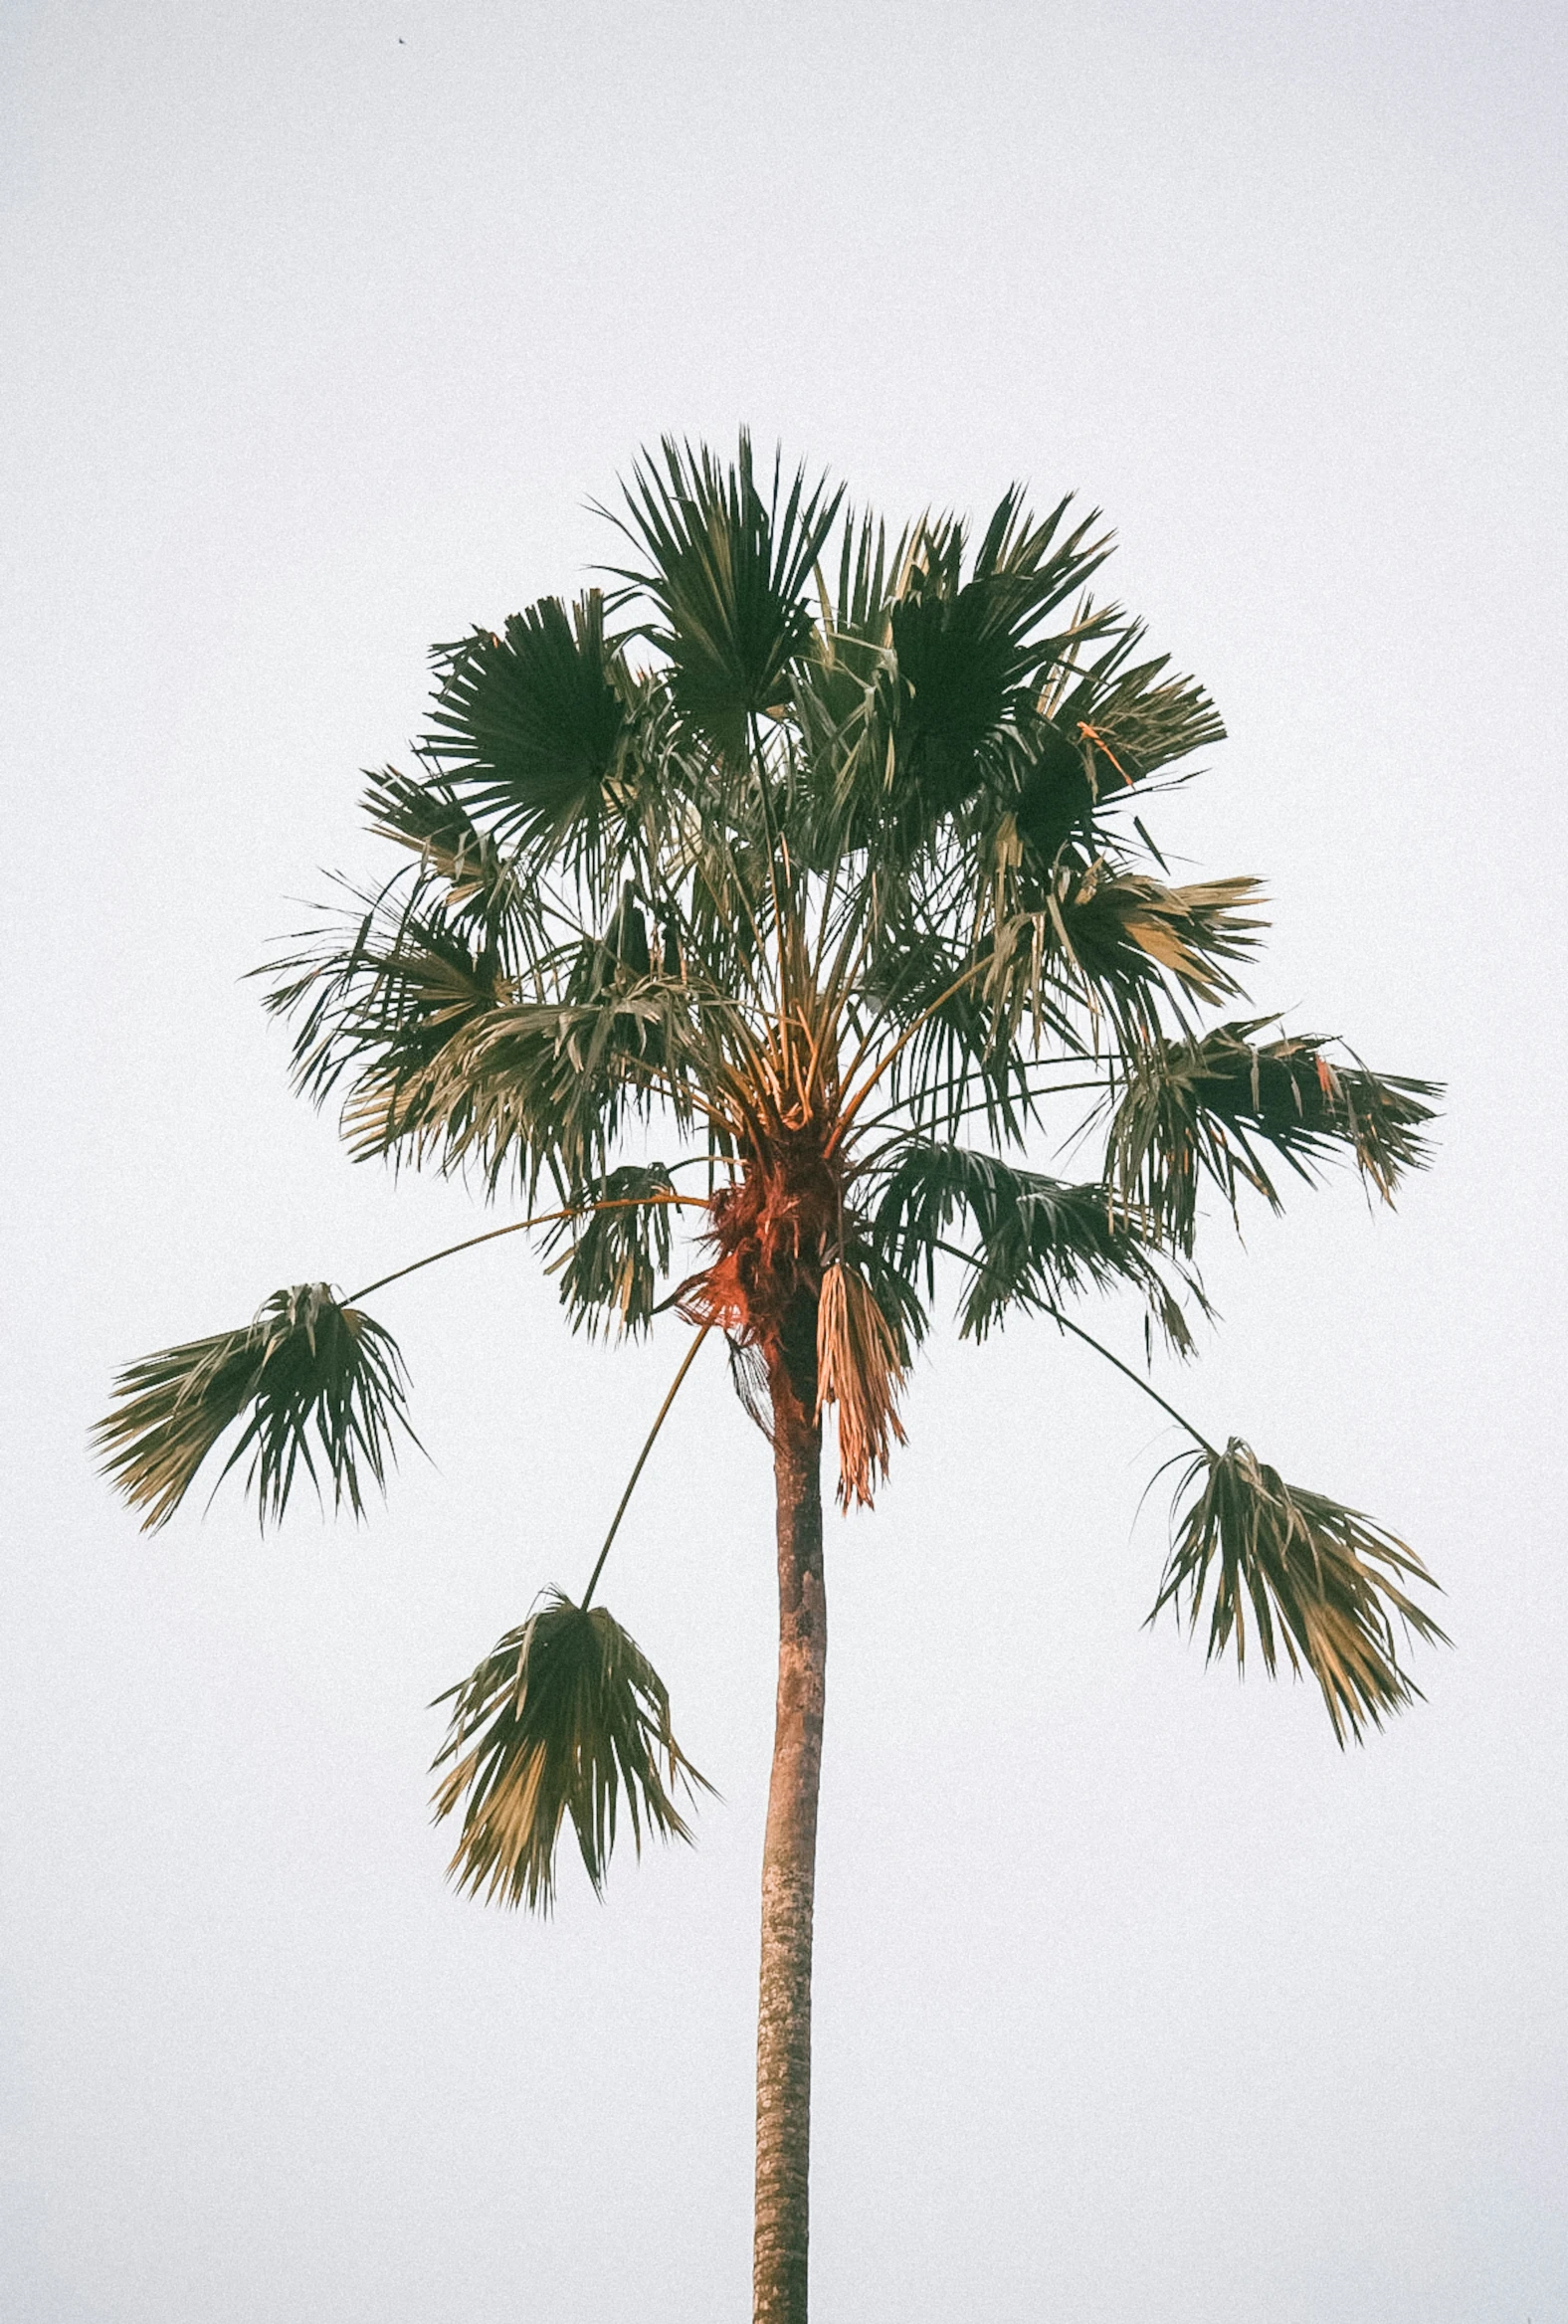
{"type": "Point", "coordinates": [860, 1369]}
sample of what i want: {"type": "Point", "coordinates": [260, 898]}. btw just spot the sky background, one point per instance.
{"type": "Point", "coordinates": [1136, 1998]}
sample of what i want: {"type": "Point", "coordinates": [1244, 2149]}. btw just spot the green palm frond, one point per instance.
{"type": "Point", "coordinates": [1205, 1107]}
{"type": "Point", "coordinates": [620, 1244]}
{"type": "Point", "coordinates": [560, 1078]}
{"type": "Point", "coordinates": [479, 882]}
{"type": "Point", "coordinates": [1129, 718]}
{"type": "Point", "coordinates": [1116, 944]}
{"type": "Point", "coordinates": [1323, 1583]}
{"type": "Point", "coordinates": [377, 995]}
{"type": "Point", "coordinates": [1038, 1241]}
{"type": "Point", "coordinates": [1046, 785]}
{"type": "Point", "coordinates": [963, 649]}
{"type": "Point", "coordinates": [530, 1089]}
{"type": "Point", "coordinates": [727, 578]}
{"type": "Point", "coordinates": [306, 1366]}
{"type": "Point", "coordinates": [528, 727]}
{"type": "Point", "coordinates": [562, 1716]}
{"type": "Point", "coordinates": [1094, 733]}
{"type": "Point", "coordinates": [1193, 933]}
{"type": "Point", "coordinates": [852, 626]}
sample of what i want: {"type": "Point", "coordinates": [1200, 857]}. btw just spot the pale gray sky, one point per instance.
{"type": "Point", "coordinates": [1136, 1999]}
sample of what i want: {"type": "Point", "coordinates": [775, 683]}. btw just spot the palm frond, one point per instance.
{"type": "Point", "coordinates": [1129, 718]}
{"type": "Point", "coordinates": [854, 617]}
{"type": "Point", "coordinates": [305, 1367]}
{"type": "Point", "coordinates": [479, 882]}
{"type": "Point", "coordinates": [619, 1249]}
{"type": "Point", "coordinates": [528, 727]}
{"type": "Point", "coordinates": [1210, 1106]}
{"type": "Point", "coordinates": [564, 1714]}
{"type": "Point", "coordinates": [727, 578]}
{"type": "Point", "coordinates": [1323, 1583]}
{"type": "Point", "coordinates": [964, 649]}
{"type": "Point", "coordinates": [1047, 783]}
{"type": "Point", "coordinates": [1040, 1241]}
{"type": "Point", "coordinates": [1118, 928]}
{"type": "Point", "coordinates": [862, 1366]}
{"type": "Point", "coordinates": [376, 993]}
{"type": "Point", "coordinates": [533, 1089]}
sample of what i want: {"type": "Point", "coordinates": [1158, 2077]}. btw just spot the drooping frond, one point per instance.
{"type": "Point", "coordinates": [748, 1375]}
{"type": "Point", "coordinates": [1194, 935]}
{"type": "Point", "coordinates": [561, 1719]}
{"type": "Point", "coordinates": [556, 1081]}
{"type": "Point", "coordinates": [527, 1089]}
{"type": "Point", "coordinates": [1214, 1105]}
{"type": "Point", "coordinates": [377, 995]}
{"type": "Point", "coordinates": [1324, 1585]}
{"type": "Point", "coordinates": [1103, 949]}
{"type": "Point", "coordinates": [619, 1244]}
{"type": "Point", "coordinates": [319, 1380]}
{"type": "Point", "coordinates": [861, 1365]}
{"type": "Point", "coordinates": [480, 889]}
{"type": "Point", "coordinates": [1036, 1241]}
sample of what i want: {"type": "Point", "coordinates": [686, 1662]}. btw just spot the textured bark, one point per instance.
{"type": "Point", "coordinates": [789, 1855]}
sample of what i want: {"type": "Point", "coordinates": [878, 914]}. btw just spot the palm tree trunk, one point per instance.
{"type": "Point", "coordinates": [789, 1855]}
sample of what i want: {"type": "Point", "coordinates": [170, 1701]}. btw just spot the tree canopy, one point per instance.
{"type": "Point", "coordinates": [798, 880]}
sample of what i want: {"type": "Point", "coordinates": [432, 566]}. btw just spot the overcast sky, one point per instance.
{"type": "Point", "coordinates": [1136, 1998]}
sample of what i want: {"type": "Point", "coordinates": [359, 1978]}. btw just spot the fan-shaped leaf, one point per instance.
{"type": "Point", "coordinates": [479, 883]}
{"type": "Point", "coordinates": [564, 1715]}
{"type": "Point", "coordinates": [963, 649]}
{"type": "Point", "coordinates": [727, 578]}
{"type": "Point", "coordinates": [1323, 1583]}
{"type": "Point", "coordinates": [1206, 1106]}
{"type": "Point", "coordinates": [1119, 927]}
{"type": "Point", "coordinates": [305, 1367]}
{"type": "Point", "coordinates": [1038, 1241]}
{"type": "Point", "coordinates": [620, 1243]}
{"type": "Point", "coordinates": [528, 726]}
{"type": "Point", "coordinates": [1130, 719]}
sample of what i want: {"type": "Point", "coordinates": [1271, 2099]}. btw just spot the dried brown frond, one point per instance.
{"type": "Point", "coordinates": [860, 1368]}
{"type": "Point", "coordinates": [770, 1230]}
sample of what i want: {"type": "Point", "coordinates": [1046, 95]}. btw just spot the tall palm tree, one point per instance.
{"type": "Point", "coordinates": [819, 855]}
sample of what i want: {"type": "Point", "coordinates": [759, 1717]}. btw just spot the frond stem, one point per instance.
{"type": "Point", "coordinates": [1088, 1339]}
{"type": "Point", "coordinates": [892, 1055]}
{"type": "Point", "coordinates": [1100, 1349]}
{"type": "Point", "coordinates": [686, 1361]}
{"type": "Point", "coordinates": [634, 1202]}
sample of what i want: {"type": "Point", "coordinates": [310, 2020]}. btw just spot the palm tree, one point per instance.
{"type": "Point", "coordinates": [821, 856]}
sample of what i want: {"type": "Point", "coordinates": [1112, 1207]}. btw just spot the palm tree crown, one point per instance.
{"type": "Point", "coordinates": [813, 860]}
